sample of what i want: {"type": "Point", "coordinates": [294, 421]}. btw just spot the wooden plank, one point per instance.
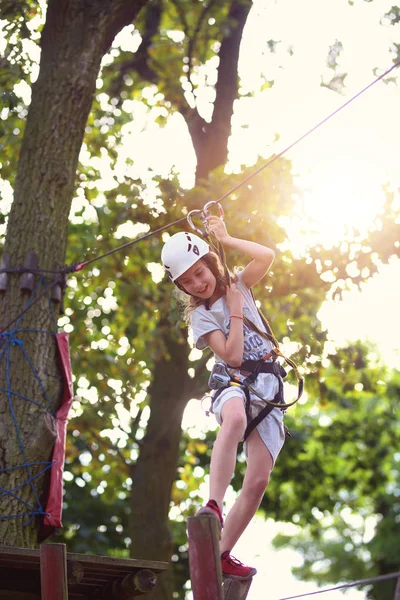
{"type": "Point", "coordinates": [87, 574]}
{"type": "Point", "coordinates": [204, 557]}
{"type": "Point", "coordinates": [103, 563]}
{"type": "Point", "coordinates": [8, 595]}
{"type": "Point", "coordinates": [17, 580]}
{"type": "Point", "coordinates": [53, 572]}
{"type": "Point", "coordinates": [236, 589]}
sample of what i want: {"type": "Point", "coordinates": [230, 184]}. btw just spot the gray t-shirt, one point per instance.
{"type": "Point", "coordinates": [204, 321]}
{"type": "Point", "coordinates": [255, 346]}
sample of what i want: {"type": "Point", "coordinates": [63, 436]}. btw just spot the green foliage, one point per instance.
{"type": "Point", "coordinates": [175, 44]}
{"type": "Point", "coordinates": [20, 25]}
{"type": "Point", "coordinates": [337, 478]}
{"type": "Point", "coordinates": [393, 15]}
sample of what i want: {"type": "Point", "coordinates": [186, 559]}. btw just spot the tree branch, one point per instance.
{"type": "Point", "coordinates": [193, 39]}
{"type": "Point", "coordinates": [195, 386]}
{"type": "Point", "coordinates": [227, 83]}
{"type": "Point", "coordinates": [120, 13]}
{"type": "Point", "coordinates": [108, 445]}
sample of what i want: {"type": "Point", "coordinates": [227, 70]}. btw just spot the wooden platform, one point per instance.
{"type": "Point", "coordinates": [89, 577]}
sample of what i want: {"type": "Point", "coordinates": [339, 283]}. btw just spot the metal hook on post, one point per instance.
{"type": "Point", "coordinates": [28, 279]}
{"type": "Point", "coordinates": [58, 289]}
{"type": "Point", "coordinates": [5, 264]}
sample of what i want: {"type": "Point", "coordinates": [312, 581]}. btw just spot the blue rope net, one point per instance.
{"type": "Point", "coordinates": [33, 470]}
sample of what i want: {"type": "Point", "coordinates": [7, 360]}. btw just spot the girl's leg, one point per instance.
{"type": "Point", "coordinates": [259, 467]}
{"type": "Point", "coordinates": [223, 458]}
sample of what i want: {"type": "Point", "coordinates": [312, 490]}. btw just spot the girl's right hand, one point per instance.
{"type": "Point", "coordinates": [234, 300]}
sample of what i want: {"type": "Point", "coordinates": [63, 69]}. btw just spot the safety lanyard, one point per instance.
{"type": "Point", "coordinates": [268, 333]}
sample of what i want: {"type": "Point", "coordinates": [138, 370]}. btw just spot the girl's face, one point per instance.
{"type": "Point", "coordinates": [198, 281]}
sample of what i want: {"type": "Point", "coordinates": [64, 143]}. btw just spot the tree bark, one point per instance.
{"type": "Point", "coordinates": [155, 470]}
{"type": "Point", "coordinates": [75, 37]}
{"type": "Point", "coordinates": [210, 140]}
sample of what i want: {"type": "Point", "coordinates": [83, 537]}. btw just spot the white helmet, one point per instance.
{"type": "Point", "coordinates": [181, 251]}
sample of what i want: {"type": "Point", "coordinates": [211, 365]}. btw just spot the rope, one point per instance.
{"type": "Point", "coordinates": [79, 266]}
{"type": "Point", "coordinates": [8, 341]}
{"type": "Point", "coordinates": [360, 582]}
{"type": "Point", "coordinates": [32, 303]}
{"type": "Point", "coordinates": [249, 177]}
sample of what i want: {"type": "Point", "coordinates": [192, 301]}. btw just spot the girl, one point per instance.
{"type": "Point", "coordinates": [216, 318]}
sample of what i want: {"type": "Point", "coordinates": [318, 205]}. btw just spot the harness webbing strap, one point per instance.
{"type": "Point", "coordinates": [261, 366]}
{"type": "Point", "coordinates": [277, 353]}
{"type": "Point", "coordinates": [264, 412]}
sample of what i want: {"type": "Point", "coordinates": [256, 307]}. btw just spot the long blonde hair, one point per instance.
{"type": "Point", "coordinates": [189, 302]}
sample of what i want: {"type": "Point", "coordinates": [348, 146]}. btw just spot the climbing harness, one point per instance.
{"type": "Point", "coordinates": [220, 378]}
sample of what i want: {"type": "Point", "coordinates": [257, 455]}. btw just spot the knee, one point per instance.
{"type": "Point", "coordinates": [257, 485]}
{"type": "Point", "coordinates": [235, 424]}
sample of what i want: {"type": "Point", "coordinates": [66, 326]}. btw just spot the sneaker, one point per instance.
{"type": "Point", "coordinates": [211, 508]}
{"type": "Point", "coordinates": [232, 567]}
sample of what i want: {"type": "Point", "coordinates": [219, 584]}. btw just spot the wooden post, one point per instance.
{"type": "Point", "coordinates": [235, 589]}
{"type": "Point", "coordinates": [53, 572]}
{"type": "Point", "coordinates": [204, 557]}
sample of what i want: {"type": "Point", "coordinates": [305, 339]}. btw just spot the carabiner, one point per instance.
{"type": "Point", "coordinates": [204, 213]}
{"type": "Point", "coordinates": [207, 206]}
{"type": "Point", "coordinates": [196, 211]}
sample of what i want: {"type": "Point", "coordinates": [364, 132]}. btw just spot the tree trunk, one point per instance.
{"type": "Point", "coordinates": [75, 37]}
{"type": "Point", "coordinates": [155, 470]}
{"type": "Point", "coordinates": [210, 140]}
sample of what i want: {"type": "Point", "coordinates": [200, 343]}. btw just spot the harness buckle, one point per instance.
{"type": "Point", "coordinates": [219, 377]}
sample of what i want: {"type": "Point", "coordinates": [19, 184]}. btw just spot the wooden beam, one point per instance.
{"type": "Point", "coordinates": [75, 572]}
{"type": "Point", "coordinates": [13, 595]}
{"type": "Point", "coordinates": [236, 589]}
{"type": "Point", "coordinates": [204, 557]}
{"type": "Point", "coordinates": [53, 572]}
{"type": "Point", "coordinates": [132, 585]}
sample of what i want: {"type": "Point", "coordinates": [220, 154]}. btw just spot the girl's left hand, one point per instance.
{"type": "Point", "coordinates": [217, 227]}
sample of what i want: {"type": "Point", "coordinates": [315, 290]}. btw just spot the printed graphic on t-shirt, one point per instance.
{"type": "Point", "coordinates": [254, 346]}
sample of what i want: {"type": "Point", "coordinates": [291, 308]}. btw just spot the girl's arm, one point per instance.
{"type": "Point", "coordinates": [230, 349]}
{"type": "Point", "coordinates": [262, 256]}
